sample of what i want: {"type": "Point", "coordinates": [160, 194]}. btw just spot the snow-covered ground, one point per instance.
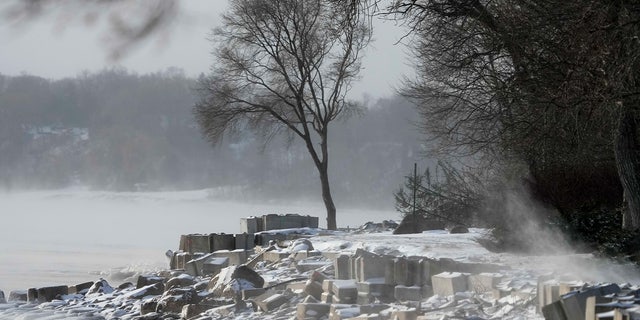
{"type": "Point", "coordinates": [69, 237]}
{"type": "Point", "coordinates": [72, 236]}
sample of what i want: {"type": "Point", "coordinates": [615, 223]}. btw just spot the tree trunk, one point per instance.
{"type": "Point", "coordinates": [328, 199]}
{"type": "Point", "coordinates": [627, 152]}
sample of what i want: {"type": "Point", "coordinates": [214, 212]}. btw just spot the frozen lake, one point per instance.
{"type": "Point", "coordinates": [68, 237]}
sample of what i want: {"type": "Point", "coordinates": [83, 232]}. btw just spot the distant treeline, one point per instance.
{"type": "Point", "coordinates": [117, 130]}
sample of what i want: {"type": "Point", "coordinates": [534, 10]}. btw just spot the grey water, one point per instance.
{"type": "Point", "coordinates": [73, 236]}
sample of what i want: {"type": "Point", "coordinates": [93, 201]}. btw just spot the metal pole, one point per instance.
{"type": "Point", "coordinates": [415, 189]}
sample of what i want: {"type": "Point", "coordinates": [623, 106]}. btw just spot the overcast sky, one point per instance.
{"type": "Point", "coordinates": [48, 48]}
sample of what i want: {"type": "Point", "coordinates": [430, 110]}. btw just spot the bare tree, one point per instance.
{"type": "Point", "coordinates": [285, 66]}
{"type": "Point", "coordinates": [553, 82]}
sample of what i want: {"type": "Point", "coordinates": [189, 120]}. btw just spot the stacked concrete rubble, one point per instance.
{"type": "Point", "coordinates": [335, 286]}
{"type": "Point", "coordinates": [277, 222]}
{"type": "Point", "coordinates": [572, 300]}
{"type": "Point", "coordinates": [360, 281]}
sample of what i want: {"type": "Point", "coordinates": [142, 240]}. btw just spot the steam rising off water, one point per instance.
{"type": "Point", "coordinates": [68, 237]}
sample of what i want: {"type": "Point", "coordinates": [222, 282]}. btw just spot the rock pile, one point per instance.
{"type": "Point", "coordinates": [296, 281]}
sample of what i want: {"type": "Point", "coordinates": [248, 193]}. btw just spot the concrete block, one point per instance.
{"type": "Point", "coordinates": [574, 303]}
{"type": "Point", "coordinates": [403, 293]}
{"type": "Point", "coordinates": [554, 311]}
{"type": "Point", "coordinates": [366, 317]}
{"type": "Point", "coordinates": [213, 265]}
{"type": "Point", "coordinates": [263, 239]}
{"type": "Point", "coordinates": [390, 271]}
{"type": "Point", "coordinates": [301, 255]}
{"type": "Point", "coordinates": [144, 280]}
{"type": "Point", "coordinates": [540, 291]}
{"type": "Point", "coordinates": [253, 292]}
{"type": "Point", "coordinates": [566, 287]}
{"type": "Point", "coordinates": [381, 291]}
{"type": "Point", "coordinates": [80, 288]}
{"type": "Point", "coordinates": [192, 310]}
{"type": "Point", "coordinates": [374, 308]}
{"type": "Point", "coordinates": [245, 241]}
{"type": "Point", "coordinates": [222, 241]}
{"type": "Point", "coordinates": [327, 285]}
{"type": "Point", "coordinates": [340, 311]}
{"type": "Point", "coordinates": [193, 267]}
{"type": "Point", "coordinates": [272, 222]}
{"type": "Point", "coordinates": [410, 314]}
{"type": "Point", "coordinates": [32, 295]}
{"type": "Point", "coordinates": [370, 267]}
{"type": "Point", "coordinates": [551, 293]}
{"type": "Point", "coordinates": [297, 287]}
{"type": "Point", "coordinates": [341, 267]}
{"type": "Point", "coordinates": [609, 289]}
{"type": "Point", "coordinates": [364, 299]}
{"type": "Point", "coordinates": [47, 294]}
{"type": "Point", "coordinates": [590, 307]}
{"type": "Point", "coordinates": [306, 311]}
{"type": "Point", "coordinates": [346, 291]}
{"type": "Point", "coordinates": [249, 225]}
{"type": "Point", "coordinates": [181, 259]}
{"type": "Point", "coordinates": [448, 283]}
{"type": "Point", "coordinates": [195, 243]}
{"type": "Point", "coordinates": [401, 272]}
{"type": "Point", "coordinates": [18, 296]}
{"type": "Point", "coordinates": [312, 222]}
{"type": "Point", "coordinates": [500, 293]}
{"type": "Point", "coordinates": [326, 297]}
{"type": "Point", "coordinates": [274, 256]}
{"type": "Point", "coordinates": [314, 289]}
{"type": "Point", "coordinates": [318, 276]}
{"type": "Point", "coordinates": [484, 282]}
{"type": "Point", "coordinates": [414, 272]}
{"type": "Point", "coordinates": [310, 264]}
{"type": "Point", "coordinates": [236, 257]}
{"type": "Point", "coordinates": [270, 300]}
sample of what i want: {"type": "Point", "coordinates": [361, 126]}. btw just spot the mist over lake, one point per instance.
{"type": "Point", "coordinates": [73, 236]}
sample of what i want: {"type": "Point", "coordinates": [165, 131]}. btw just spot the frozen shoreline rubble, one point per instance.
{"type": "Point", "coordinates": [293, 274]}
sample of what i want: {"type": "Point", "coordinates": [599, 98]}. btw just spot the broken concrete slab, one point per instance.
{"type": "Point", "coordinates": [270, 300]}
{"type": "Point", "coordinates": [213, 265]}
{"type": "Point", "coordinates": [253, 292]}
{"type": "Point", "coordinates": [236, 257]}
{"type": "Point", "coordinates": [306, 311]}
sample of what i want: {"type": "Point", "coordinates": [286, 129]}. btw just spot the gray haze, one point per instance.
{"type": "Point", "coordinates": [55, 47]}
